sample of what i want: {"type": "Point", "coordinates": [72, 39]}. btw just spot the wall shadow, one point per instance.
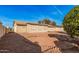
{"type": "Point", "coordinates": [60, 37]}
{"type": "Point", "coordinates": [15, 43]}
{"type": "Point", "coordinates": [65, 38]}
{"type": "Point", "coordinates": [60, 44]}
{"type": "Point", "coordinates": [62, 32]}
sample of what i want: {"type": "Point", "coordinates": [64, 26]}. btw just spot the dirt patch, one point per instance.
{"type": "Point", "coordinates": [47, 42]}
{"type": "Point", "coordinates": [13, 42]}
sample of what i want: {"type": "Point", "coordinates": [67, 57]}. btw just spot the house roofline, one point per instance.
{"type": "Point", "coordinates": [25, 23]}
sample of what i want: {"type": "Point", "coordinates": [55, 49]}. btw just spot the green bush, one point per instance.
{"type": "Point", "coordinates": [71, 22]}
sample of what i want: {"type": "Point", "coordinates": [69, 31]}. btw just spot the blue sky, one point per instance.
{"type": "Point", "coordinates": [33, 13]}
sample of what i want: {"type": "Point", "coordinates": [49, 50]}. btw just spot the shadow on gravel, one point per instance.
{"type": "Point", "coordinates": [15, 43]}
{"type": "Point", "coordinates": [64, 42]}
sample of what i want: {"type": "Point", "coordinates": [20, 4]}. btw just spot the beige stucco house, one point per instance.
{"type": "Point", "coordinates": [21, 27]}
{"type": "Point", "coordinates": [2, 30]}
{"type": "Point", "coordinates": [31, 27]}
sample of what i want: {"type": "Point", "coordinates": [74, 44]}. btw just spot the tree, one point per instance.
{"type": "Point", "coordinates": [53, 23]}
{"type": "Point", "coordinates": [46, 21]}
{"type": "Point", "coordinates": [71, 22]}
{"type": "Point", "coordinates": [0, 22]}
{"type": "Point", "coordinates": [39, 22]}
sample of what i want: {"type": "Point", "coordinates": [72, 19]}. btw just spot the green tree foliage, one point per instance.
{"type": "Point", "coordinates": [47, 21]}
{"type": "Point", "coordinates": [53, 23]}
{"type": "Point", "coordinates": [0, 22]}
{"type": "Point", "coordinates": [71, 22]}
{"type": "Point", "coordinates": [39, 22]}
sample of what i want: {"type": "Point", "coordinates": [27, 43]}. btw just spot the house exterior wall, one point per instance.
{"type": "Point", "coordinates": [20, 29]}
{"type": "Point", "coordinates": [36, 28]}
{"type": "Point", "coordinates": [2, 30]}
{"type": "Point", "coordinates": [58, 29]}
{"type": "Point", "coordinates": [50, 29]}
